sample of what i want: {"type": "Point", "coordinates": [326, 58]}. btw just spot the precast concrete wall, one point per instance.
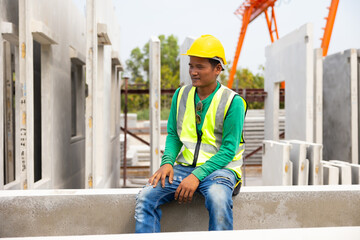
{"type": "Point", "coordinates": [60, 29]}
{"type": "Point", "coordinates": [103, 103]}
{"type": "Point", "coordinates": [9, 69]}
{"type": "Point", "coordinates": [341, 106]}
{"type": "Point", "coordinates": [49, 42]}
{"type": "Point", "coordinates": [89, 212]}
{"type": "Point", "coordinates": [290, 59]}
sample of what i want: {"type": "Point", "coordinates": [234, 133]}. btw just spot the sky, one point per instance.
{"type": "Point", "coordinates": [141, 19]}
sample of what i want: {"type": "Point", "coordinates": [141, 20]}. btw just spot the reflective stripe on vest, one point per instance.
{"type": "Point", "coordinates": [212, 128]}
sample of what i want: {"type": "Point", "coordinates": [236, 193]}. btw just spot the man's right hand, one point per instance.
{"type": "Point", "coordinates": [164, 171]}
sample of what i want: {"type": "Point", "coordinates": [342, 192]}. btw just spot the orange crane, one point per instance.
{"type": "Point", "coordinates": [249, 10]}
{"type": "Point", "coordinates": [329, 26]}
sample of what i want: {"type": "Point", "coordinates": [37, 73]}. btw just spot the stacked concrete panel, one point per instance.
{"type": "Point", "coordinates": [290, 59]}
{"type": "Point", "coordinates": [355, 170]}
{"type": "Point", "coordinates": [341, 106]}
{"type": "Point", "coordinates": [305, 158]}
{"type": "Point", "coordinates": [350, 170]}
{"type": "Point", "coordinates": [315, 155]}
{"type": "Point", "coordinates": [277, 169]}
{"type": "Point", "coordinates": [345, 173]}
{"type": "Point", "coordinates": [331, 174]}
{"type": "Point", "coordinates": [355, 173]}
{"type": "Point", "coordinates": [300, 163]}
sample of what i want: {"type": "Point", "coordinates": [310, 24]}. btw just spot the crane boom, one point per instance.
{"type": "Point", "coordinates": [249, 11]}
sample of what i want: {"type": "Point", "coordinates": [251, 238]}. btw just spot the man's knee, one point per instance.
{"type": "Point", "coordinates": [219, 196]}
{"type": "Point", "coordinates": [143, 198]}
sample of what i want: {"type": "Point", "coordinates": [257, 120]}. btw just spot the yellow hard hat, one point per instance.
{"type": "Point", "coordinates": [207, 46]}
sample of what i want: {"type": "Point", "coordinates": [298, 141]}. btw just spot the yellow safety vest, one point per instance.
{"type": "Point", "coordinates": [200, 148]}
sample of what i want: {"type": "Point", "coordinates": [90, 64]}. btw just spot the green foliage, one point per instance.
{"type": "Point", "coordinates": [144, 114]}
{"type": "Point", "coordinates": [138, 67]}
{"type": "Point", "coordinates": [244, 78]}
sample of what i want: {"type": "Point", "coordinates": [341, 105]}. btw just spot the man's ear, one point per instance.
{"type": "Point", "coordinates": [218, 69]}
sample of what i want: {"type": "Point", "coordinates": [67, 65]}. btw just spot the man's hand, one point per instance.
{"type": "Point", "coordinates": [186, 189]}
{"type": "Point", "coordinates": [164, 171]}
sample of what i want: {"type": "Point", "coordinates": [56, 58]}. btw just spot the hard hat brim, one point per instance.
{"type": "Point", "coordinates": [216, 58]}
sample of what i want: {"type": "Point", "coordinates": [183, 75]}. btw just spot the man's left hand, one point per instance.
{"type": "Point", "coordinates": [186, 189]}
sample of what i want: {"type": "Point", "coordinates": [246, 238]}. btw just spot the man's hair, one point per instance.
{"type": "Point", "coordinates": [214, 63]}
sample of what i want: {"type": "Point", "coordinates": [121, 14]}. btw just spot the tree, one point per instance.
{"type": "Point", "coordinates": [244, 78]}
{"type": "Point", "coordinates": [138, 67]}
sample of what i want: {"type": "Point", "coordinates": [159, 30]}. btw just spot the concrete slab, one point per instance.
{"type": "Point", "coordinates": [277, 169]}
{"type": "Point", "coordinates": [355, 171]}
{"type": "Point", "coordinates": [314, 154]}
{"type": "Point", "coordinates": [341, 132]}
{"type": "Point", "coordinates": [300, 163]}
{"type": "Point", "coordinates": [111, 211]}
{"type": "Point", "coordinates": [290, 59]}
{"type": "Point", "coordinates": [331, 174]}
{"type": "Point", "coordinates": [349, 233]}
{"type": "Point", "coordinates": [344, 172]}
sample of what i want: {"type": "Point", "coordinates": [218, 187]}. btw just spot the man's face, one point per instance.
{"type": "Point", "coordinates": [202, 73]}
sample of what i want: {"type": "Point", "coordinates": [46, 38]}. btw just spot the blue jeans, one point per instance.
{"type": "Point", "coordinates": [217, 189]}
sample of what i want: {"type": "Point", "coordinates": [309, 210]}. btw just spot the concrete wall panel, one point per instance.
{"type": "Point", "coordinates": [9, 25]}
{"type": "Point", "coordinates": [344, 171]}
{"type": "Point", "coordinates": [340, 113]}
{"type": "Point", "coordinates": [355, 171]}
{"type": "Point", "coordinates": [300, 163]}
{"type": "Point", "coordinates": [102, 148]}
{"type": "Point", "coordinates": [277, 169]}
{"type": "Point", "coordinates": [290, 59]}
{"type": "Point", "coordinates": [59, 149]}
{"type": "Point", "coordinates": [315, 156]}
{"type": "Point", "coordinates": [331, 174]}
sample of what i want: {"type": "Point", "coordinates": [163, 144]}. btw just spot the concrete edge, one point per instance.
{"type": "Point", "coordinates": [328, 233]}
{"type": "Point", "coordinates": [127, 191]}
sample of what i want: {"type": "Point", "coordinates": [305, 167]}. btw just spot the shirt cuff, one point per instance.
{"type": "Point", "coordinates": [199, 173]}
{"type": "Point", "coordinates": [166, 160]}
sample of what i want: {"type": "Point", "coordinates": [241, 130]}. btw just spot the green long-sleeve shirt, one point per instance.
{"type": "Point", "coordinates": [232, 130]}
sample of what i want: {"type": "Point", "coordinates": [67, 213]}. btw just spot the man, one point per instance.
{"type": "Point", "coordinates": [206, 119]}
